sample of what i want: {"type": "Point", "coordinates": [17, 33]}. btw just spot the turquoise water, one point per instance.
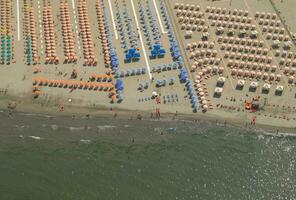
{"type": "Point", "coordinates": [61, 158]}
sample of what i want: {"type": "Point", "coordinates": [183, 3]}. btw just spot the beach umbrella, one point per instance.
{"type": "Point", "coordinates": [286, 70]}
{"type": "Point", "coordinates": [291, 79]}
{"type": "Point", "coordinates": [271, 76]}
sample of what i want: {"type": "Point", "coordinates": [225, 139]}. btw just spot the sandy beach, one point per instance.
{"type": "Point", "coordinates": [57, 62]}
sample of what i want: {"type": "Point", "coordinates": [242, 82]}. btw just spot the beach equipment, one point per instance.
{"type": "Point", "coordinates": [132, 55]}
{"type": "Point", "coordinates": [218, 90]}
{"type": "Point", "coordinates": [119, 85]}
{"type": "Point", "coordinates": [67, 33]}
{"type": "Point", "coordinates": [221, 80]}
{"type": "Point", "coordinates": [279, 88]}
{"type": "Point", "coordinates": [49, 36]}
{"type": "Point", "coordinates": [266, 87]}
{"type": "Point", "coordinates": [157, 51]}
{"type": "Point", "coordinates": [253, 85]}
{"type": "Point", "coordinates": [154, 94]}
{"type": "Point", "coordinates": [291, 79]}
{"type": "Point", "coordinates": [183, 75]}
{"type": "Point", "coordinates": [240, 83]}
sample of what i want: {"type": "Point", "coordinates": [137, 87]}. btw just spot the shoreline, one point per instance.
{"type": "Point", "coordinates": [112, 113]}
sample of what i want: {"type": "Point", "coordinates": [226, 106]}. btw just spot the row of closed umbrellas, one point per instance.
{"type": "Point", "coordinates": [103, 32]}
{"type": "Point", "coordinates": [101, 77]}
{"type": "Point", "coordinates": [165, 67]}
{"type": "Point", "coordinates": [251, 65]}
{"type": "Point", "coordinates": [290, 70]}
{"type": "Point", "coordinates": [73, 84]}
{"type": "Point", "coordinates": [121, 27]}
{"type": "Point", "coordinates": [174, 47]}
{"type": "Point", "coordinates": [130, 72]}
{"type": "Point", "coordinates": [183, 74]}
{"type": "Point", "coordinates": [6, 35]}
{"type": "Point", "coordinates": [242, 41]}
{"type": "Point", "coordinates": [278, 38]}
{"type": "Point", "coordinates": [256, 74]}
{"type": "Point", "coordinates": [244, 49]}
{"type": "Point", "coordinates": [49, 36]}
{"type": "Point", "coordinates": [150, 28]}
{"type": "Point", "coordinates": [249, 57]}
{"type": "Point", "coordinates": [85, 32]}
{"type": "Point", "coordinates": [231, 18]}
{"type": "Point", "coordinates": [31, 36]}
{"type": "Point", "coordinates": [127, 34]}
{"type": "Point", "coordinates": [130, 29]}
{"type": "Point", "coordinates": [68, 37]}
{"type": "Point", "coordinates": [110, 56]}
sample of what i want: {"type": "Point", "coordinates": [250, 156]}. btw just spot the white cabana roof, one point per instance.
{"type": "Point", "coordinates": [241, 82]}
{"type": "Point", "coordinates": [254, 84]}
{"type": "Point", "coordinates": [218, 90]}
{"type": "Point", "coordinates": [154, 94]}
{"type": "Point", "coordinates": [266, 86]}
{"type": "Point", "coordinates": [279, 88]}
{"type": "Point", "coordinates": [276, 42]}
{"type": "Point", "coordinates": [188, 33]}
{"type": "Point", "coordinates": [221, 79]}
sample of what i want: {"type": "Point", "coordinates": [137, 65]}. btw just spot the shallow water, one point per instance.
{"type": "Point", "coordinates": [60, 158]}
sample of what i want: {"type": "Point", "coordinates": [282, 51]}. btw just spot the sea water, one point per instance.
{"type": "Point", "coordinates": [49, 157]}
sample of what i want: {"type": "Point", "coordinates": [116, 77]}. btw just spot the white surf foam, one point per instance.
{"type": "Point", "coordinates": [34, 137]}
{"type": "Point", "coordinates": [85, 141]}
{"type": "Point", "coordinates": [102, 128]}
{"type": "Point", "coordinates": [79, 128]}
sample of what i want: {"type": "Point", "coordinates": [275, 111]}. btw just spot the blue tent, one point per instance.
{"type": "Point", "coordinates": [137, 55]}
{"type": "Point", "coordinates": [132, 54]}
{"type": "Point", "coordinates": [157, 50]}
{"type": "Point", "coordinates": [128, 56]}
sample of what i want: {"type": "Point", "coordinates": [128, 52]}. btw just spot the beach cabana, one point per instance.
{"type": "Point", "coordinates": [279, 88]}
{"type": "Point", "coordinates": [240, 83]}
{"type": "Point", "coordinates": [218, 91]}
{"type": "Point", "coordinates": [266, 87]}
{"type": "Point", "coordinates": [253, 85]}
{"type": "Point", "coordinates": [221, 80]}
